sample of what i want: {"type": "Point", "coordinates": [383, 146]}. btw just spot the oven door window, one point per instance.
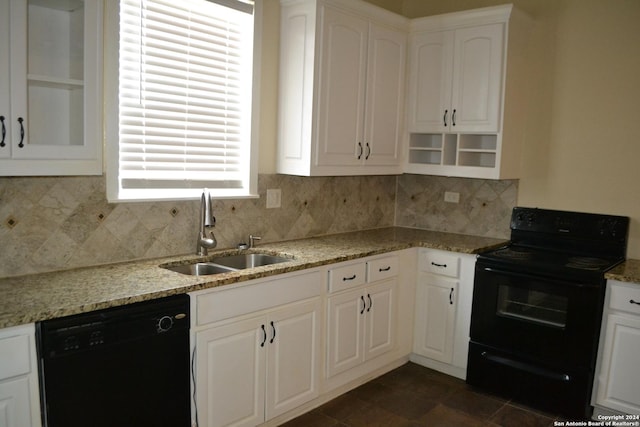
{"type": "Point", "coordinates": [532, 306]}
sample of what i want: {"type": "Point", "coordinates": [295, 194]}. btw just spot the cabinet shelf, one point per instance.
{"type": "Point", "coordinates": [453, 150]}
{"type": "Point", "coordinates": [64, 5]}
{"type": "Point", "coordinates": [54, 82]}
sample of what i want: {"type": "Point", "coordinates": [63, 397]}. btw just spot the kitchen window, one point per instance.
{"type": "Point", "coordinates": [181, 105]}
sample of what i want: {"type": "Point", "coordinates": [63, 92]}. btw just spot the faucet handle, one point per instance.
{"type": "Point", "coordinates": [252, 240]}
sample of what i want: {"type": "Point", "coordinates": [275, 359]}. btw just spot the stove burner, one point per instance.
{"type": "Point", "coordinates": [586, 263]}
{"type": "Point", "coordinates": [514, 253]}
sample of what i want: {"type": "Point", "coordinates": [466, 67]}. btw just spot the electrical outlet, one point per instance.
{"type": "Point", "coordinates": [451, 197]}
{"type": "Point", "coordinates": [274, 198]}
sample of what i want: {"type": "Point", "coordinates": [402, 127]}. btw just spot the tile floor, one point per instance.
{"type": "Point", "coordinates": [412, 396]}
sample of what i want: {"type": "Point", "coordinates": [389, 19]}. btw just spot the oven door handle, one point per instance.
{"type": "Point", "coordinates": [529, 276]}
{"type": "Point", "coordinates": [526, 367]}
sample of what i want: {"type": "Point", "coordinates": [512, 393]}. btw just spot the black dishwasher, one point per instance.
{"type": "Point", "coordinates": [123, 366]}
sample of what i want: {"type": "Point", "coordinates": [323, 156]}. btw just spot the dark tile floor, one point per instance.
{"type": "Point", "coordinates": [412, 396]}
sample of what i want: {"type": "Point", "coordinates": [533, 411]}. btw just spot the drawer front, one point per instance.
{"type": "Point", "coordinates": [625, 298]}
{"type": "Point", "coordinates": [213, 306]}
{"type": "Point", "coordinates": [346, 277]}
{"type": "Point", "coordinates": [440, 263]}
{"type": "Point", "coordinates": [383, 268]}
{"type": "Point", "coordinates": [14, 356]}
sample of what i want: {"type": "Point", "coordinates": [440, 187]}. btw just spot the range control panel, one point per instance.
{"type": "Point", "coordinates": [574, 224]}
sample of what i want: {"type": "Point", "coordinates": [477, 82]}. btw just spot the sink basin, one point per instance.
{"type": "Point", "coordinates": [200, 269]}
{"type": "Point", "coordinates": [243, 261]}
{"type": "Point", "coordinates": [225, 264]}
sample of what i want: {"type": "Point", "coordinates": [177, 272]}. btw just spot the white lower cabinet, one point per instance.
{"type": "Point", "coordinates": [268, 350]}
{"type": "Point", "coordinates": [443, 311]}
{"type": "Point", "coordinates": [361, 326]}
{"type": "Point", "coordinates": [361, 317]}
{"type": "Point", "coordinates": [617, 384]}
{"type": "Point", "coordinates": [19, 395]}
{"type": "Point", "coordinates": [15, 410]}
{"type": "Point", "coordinates": [435, 321]}
{"type": "Point", "coordinates": [251, 368]}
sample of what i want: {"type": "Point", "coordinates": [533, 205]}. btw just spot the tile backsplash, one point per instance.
{"type": "Point", "coordinates": [484, 208]}
{"type": "Point", "coordinates": [54, 223]}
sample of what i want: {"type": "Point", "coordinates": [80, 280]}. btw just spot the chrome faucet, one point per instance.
{"type": "Point", "coordinates": [206, 220]}
{"type": "Point", "coordinates": [252, 240]}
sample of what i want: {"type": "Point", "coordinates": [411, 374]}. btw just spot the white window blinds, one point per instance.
{"type": "Point", "coordinates": [185, 85]}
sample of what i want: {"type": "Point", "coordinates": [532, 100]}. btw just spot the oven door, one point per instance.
{"type": "Point", "coordinates": [552, 321]}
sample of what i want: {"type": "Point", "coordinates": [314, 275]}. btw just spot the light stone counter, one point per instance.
{"type": "Point", "coordinates": [628, 271]}
{"type": "Point", "coordinates": [31, 298]}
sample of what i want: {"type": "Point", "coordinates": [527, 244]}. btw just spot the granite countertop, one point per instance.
{"type": "Point", "coordinates": [628, 271]}
{"type": "Point", "coordinates": [36, 297]}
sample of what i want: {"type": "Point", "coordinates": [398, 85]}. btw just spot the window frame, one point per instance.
{"type": "Point", "coordinates": [111, 120]}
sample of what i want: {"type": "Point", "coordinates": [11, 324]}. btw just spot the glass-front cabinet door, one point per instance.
{"type": "Point", "coordinates": [53, 125]}
{"type": "Point", "coordinates": [5, 84]}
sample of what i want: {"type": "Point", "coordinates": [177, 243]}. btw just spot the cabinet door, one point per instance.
{"type": "Point", "coordinates": [384, 96]}
{"type": "Point", "coordinates": [5, 84]}
{"type": "Point", "coordinates": [477, 79]}
{"type": "Point", "coordinates": [292, 361]}
{"type": "Point", "coordinates": [435, 317]}
{"type": "Point", "coordinates": [380, 318]}
{"type": "Point", "coordinates": [15, 410]}
{"type": "Point", "coordinates": [230, 366]}
{"type": "Point", "coordinates": [55, 94]}
{"type": "Point", "coordinates": [346, 327]}
{"type": "Point", "coordinates": [430, 81]}
{"type": "Point", "coordinates": [619, 386]}
{"type": "Point", "coordinates": [341, 89]}
{"type": "Point", "coordinates": [19, 28]}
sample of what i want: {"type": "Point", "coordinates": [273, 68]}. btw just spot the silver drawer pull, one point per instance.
{"type": "Point", "coordinates": [634, 302]}
{"type": "Point", "coordinates": [384, 269]}
{"type": "Point", "coordinates": [344, 279]}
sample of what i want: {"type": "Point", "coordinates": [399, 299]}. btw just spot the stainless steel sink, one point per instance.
{"type": "Point", "coordinates": [243, 261]}
{"type": "Point", "coordinates": [225, 264]}
{"type": "Point", "coordinates": [199, 269]}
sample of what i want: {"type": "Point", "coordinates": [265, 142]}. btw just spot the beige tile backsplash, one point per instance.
{"type": "Point", "coordinates": [55, 223]}
{"type": "Point", "coordinates": [484, 208]}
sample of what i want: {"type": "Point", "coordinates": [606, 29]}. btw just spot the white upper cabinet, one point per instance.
{"type": "Point", "coordinates": [430, 78]}
{"type": "Point", "coordinates": [457, 76]}
{"type": "Point", "coordinates": [465, 93]}
{"type": "Point", "coordinates": [50, 87]}
{"type": "Point", "coordinates": [342, 74]}
{"type": "Point", "coordinates": [342, 93]}
{"type": "Point", "coordinates": [477, 76]}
